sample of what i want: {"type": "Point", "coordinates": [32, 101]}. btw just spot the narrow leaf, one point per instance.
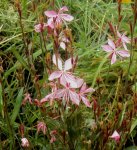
{"type": "Point", "coordinates": [134, 124]}
{"type": "Point", "coordinates": [17, 106]}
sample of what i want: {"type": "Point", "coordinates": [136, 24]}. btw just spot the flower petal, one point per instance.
{"type": "Point", "coordinates": [50, 23]}
{"type": "Point", "coordinates": [83, 88]}
{"type": "Point", "coordinates": [63, 9]}
{"type": "Point", "coordinates": [107, 48]}
{"type": "Point", "coordinates": [67, 78]}
{"type": "Point", "coordinates": [111, 44]}
{"type": "Point", "coordinates": [83, 91]}
{"type": "Point", "coordinates": [60, 93]}
{"type": "Point", "coordinates": [57, 61]}
{"type": "Point", "coordinates": [113, 58]}
{"type": "Point", "coordinates": [55, 75]}
{"type": "Point", "coordinates": [123, 53]}
{"type": "Point", "coordinates": [68, 64]}
{"type": "Point", "coordinates": [89, 90]}
{"type": "Point", "coordinates": [79, 83]}
{"type": "Point", "coordinates": [63, 45]}
{"type": "Point", "coordinates": [74, 97]}
{"type": "Point", "coordinates": [125, 39]}
{"type": "Point", "coordinates": [124, 45]}
{"type": "Point", "coordinates": [67, 17]}
{"type": "Point", "coordinates": [50, 14]}
{"type": "Point", "coordinates": [85, 101]}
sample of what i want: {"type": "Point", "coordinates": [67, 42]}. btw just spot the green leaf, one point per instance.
{"type": "Point", "coordinates": [134, 124]}
{"type": "Point", "coordinates": [122, 114]}
{"type": "Point", "coordinates": [17, 106]}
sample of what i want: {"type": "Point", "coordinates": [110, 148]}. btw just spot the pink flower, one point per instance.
{"type": "Point", "coordinates": [64, 76]}
{"type": "Point", "coordinates": [41, 126]}
{"type": "Point", "coordinates": [40, 27]}
{"type": "Point", "coordinates": [124, 39]}
{"type": "Point", "coordinates": [65, 94]}
{"type": "Point", "coordinates": [69, 93]}
{"type": "Point", "coordinates": [59, 16]}
{"type": "Point", "coordinates": [112, 50]}
{"type": "Point", "coordinates": [25, 142]}
{"type": "Point", "coordinates": [115, 136]}
{"type": "Point", "coordinates": [82, 94]}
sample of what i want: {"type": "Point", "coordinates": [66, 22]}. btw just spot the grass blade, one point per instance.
{"type": "Point", "coordinates": [17, 106]}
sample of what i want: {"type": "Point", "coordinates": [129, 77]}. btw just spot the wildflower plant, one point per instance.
{"type": "Point", "coordinates": [117, 47]}
{"type": "Point", "coordinates": [67, 89]}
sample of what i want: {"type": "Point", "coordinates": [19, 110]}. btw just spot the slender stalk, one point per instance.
{"type": "Point", "coordinates": [132, 27]}
{"type": "Point", "coordinates": [43, 55]}
{"type": "Point", "coordinates": [44, 41]}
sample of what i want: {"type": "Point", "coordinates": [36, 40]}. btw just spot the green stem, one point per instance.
{"type": "Point", "coordinates": [43, 56]}
{"type": "Point", "coordinates": [131, 46]}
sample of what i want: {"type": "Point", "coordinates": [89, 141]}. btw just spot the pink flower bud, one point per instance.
{"type": "Point", "coordinates": [25, 142]}
{"type": "Point", "coordinates": [115, 136]}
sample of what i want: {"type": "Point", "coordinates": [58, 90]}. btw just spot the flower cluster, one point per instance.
{"type": "Point", "coordinates": [55, 19]}
{"type": "Point", "coordinates": [54, 27]}
{"type": "Point", "coordinates": [74, 88]}
{"type": "Point", "coordinates": [117, 47]}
